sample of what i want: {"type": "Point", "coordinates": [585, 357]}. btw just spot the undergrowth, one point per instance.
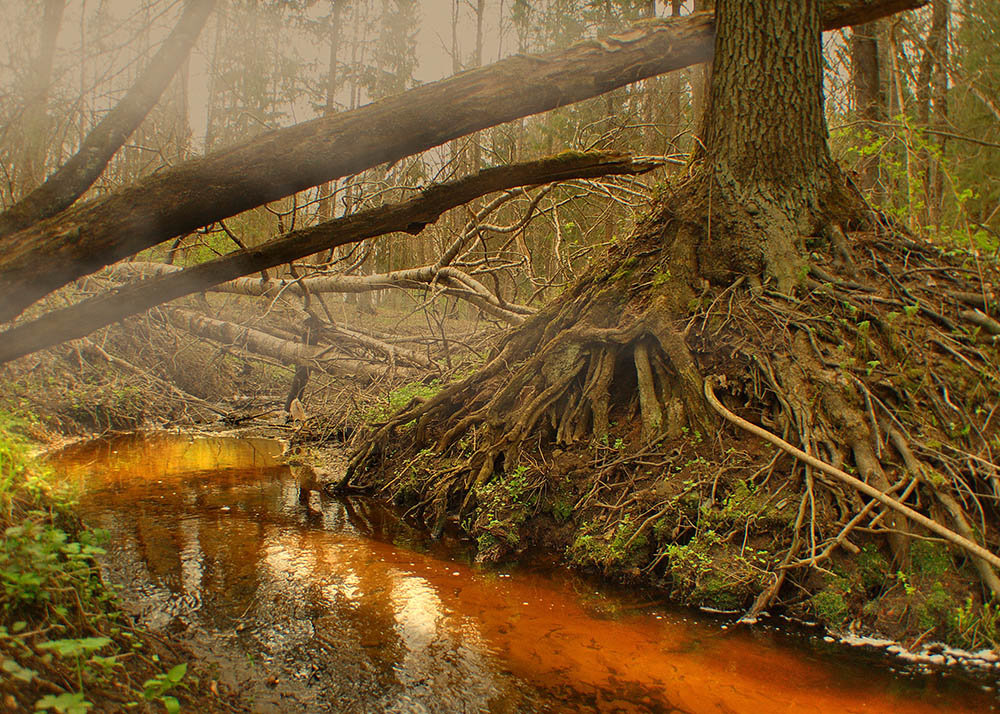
{"type": "Point", "coordinates": [65, 646]}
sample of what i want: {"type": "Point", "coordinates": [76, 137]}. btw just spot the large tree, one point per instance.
{"type": "Point", "coordinates": [601, 409]}
{"type": "Point", "coordinates": [742, 277]}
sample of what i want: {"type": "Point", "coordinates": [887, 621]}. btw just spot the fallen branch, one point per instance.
{"type": "Point", "coordinates": [410, 216]}
{"type": "Point", "coordinates": [323, 359]}
{"type": "Point", "coordinates": [949, 535]}
{"type": "Point", "coordinates": [50, 254]}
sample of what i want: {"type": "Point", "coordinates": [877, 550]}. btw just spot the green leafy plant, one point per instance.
{"type": "Point", "coordinates": [155, 688]}
{"type": "Point", "coordinates": [68, 703]}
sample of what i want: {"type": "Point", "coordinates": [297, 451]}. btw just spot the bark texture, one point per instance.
{"type": "Point", "coordinates": [52, 253]}
{"type": "Point", "coordinates": [866, 85]}
{"type": "Point", "coordinates": [766, 150]}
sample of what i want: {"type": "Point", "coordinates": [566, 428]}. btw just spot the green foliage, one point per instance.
{"type": "Point", "coordinates": [401, 396]}
{"type": "Point", "coordinates": [504, 504]}
{"type": "Point", "coordinates": [976, 626]}
{"type": "Point", "coordinates": [562, 509]}
{"type": "Point", "coordinates": [52, 588]}
{"type": "Point", "coordinates": [68, 703]}
{"type": "Point", "coordinates": [156, 688]}
{"type": "Point", "coordinates": [38, 559]}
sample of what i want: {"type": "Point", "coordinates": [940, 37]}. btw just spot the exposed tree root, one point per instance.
{"type": "Point", "coordinates": [590, 428]}
{"type": "Point", "coordinates": [949, 535]}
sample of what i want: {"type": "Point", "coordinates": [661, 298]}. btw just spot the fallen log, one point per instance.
{"type": "Point", "coordinates": [411, 216]}
{"type": "Point", "coordinates": [324, 359]}
{"type": "Point", "coordinates": [453, 282]}
{"type": "Point", "coordinates": [52, 253]}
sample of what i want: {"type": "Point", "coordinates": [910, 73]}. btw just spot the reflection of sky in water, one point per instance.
{"type": "Point", "coordinates": [212, 538]}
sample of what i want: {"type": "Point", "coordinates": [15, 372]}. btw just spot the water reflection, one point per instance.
{"type": "Point", "coordinates": [309, 603]}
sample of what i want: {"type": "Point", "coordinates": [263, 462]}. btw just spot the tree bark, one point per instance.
{"type": "Point", "coordinates": [451, 281]}
{"type": "Point", "coordinates": [932, 101]}
{"type": "Point", "coordinates": [285, 351]}
{"type": "Point", "coordinates": [411, 216]}
{"type": "Point", "coordinates": [70, 182]}
{"type": "Point", "coordinates": [866, 85]}
{"type": "Point", "coordinates": [52, 253]}
{"type": "Point", "coordinates": [766, 101]}
{"type": "Point", "coordinates": [700, 76]}
{"type": "Point", "coordinates": [325, 209]}
{"type": "Point", "coordinates": [36, 102]}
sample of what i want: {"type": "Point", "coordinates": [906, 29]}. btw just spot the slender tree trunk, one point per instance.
{"type": "Point", "coordinates": [36, 102]}
{"type": "Point", "coordinates": [932, 104]}
{"type": "Point", "coordinates": [75, 176]}
{"type": "Point", "coordinates": [701, 75]}
{"type": "Point", "coordinates": [867, 94]}
{"type": "Point", "coordinates": [332, 83]}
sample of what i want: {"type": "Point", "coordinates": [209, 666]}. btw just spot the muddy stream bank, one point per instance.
{"type": "Point", "coordinates": [310, 603]}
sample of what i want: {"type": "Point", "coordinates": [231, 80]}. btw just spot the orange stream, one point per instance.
{"type": "Point", "coordinates": [316, 604]}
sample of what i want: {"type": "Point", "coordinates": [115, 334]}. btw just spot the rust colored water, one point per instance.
{"type": "Point", "coordinates": [315, 604]}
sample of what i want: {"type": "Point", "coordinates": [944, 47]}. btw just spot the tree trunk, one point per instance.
{"type": "Point", "coordinates": [83, 168]}
{"type": "Point", "coordinates": [869, 101]}
{"type": "Point", "coordinates": [46, 256]}
{"type": "Point", "coordinates": [36, 101]}
{"type": "Point", "coordinates": [932, 104]}
{"type": "Point", "coordinates": [286, 351]}
{"type": "Point", "coordinates": [765, 101]}
{"type": "Point", "coordinates": [325, 209]}
{"type": "Point", "coordinates": [700, 76]}
{"type": "Point", "coordinates": [410, 216]}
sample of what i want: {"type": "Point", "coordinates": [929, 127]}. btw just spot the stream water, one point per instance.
{"type": "Point", "coordinates": [308, 603]}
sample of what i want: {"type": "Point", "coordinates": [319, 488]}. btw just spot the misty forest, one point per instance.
{"type": "Point", "coordinates": [499, 355]}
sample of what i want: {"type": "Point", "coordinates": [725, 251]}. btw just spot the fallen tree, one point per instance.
{"type": "Point", "coordinates": [287, 351]}
{"type": "Point", "coordinates": [51, 253]}
{"type": "Point", "coordinates": [409, 216]}
{"type": "Point", "coordinates": [450, 281]}
{"type": "Point", "coordinates": [74, 177]}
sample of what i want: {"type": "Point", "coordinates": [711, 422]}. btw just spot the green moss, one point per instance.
{"type": "Point", "coordinates": [830, 606]}
{"type": "Point", "coordinates": [717, 592]}
{"type": "Point", "coordinates": [872, 567]}
{"type": "Point", "coordinates": [401, 396]}
{"type": "Point", "coordinates": [936, 608]}
{"type": "Point", "coordinates": [624, 549]}
{"type": "Point", "coordinates": [930, 559]}
{"type": "Point", "coordinates": [562, 509]}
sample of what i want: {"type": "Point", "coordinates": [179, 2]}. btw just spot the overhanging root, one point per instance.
{"type": "Point", "coordinates": [971, 547]}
